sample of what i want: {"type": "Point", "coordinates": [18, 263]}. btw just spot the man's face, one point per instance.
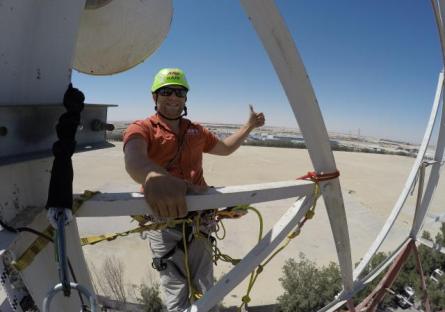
{"type": "Point", "coordinates": [170, 100]}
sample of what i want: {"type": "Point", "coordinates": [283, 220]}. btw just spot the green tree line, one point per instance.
{"type": "Point", "coordinates": [309, 288]}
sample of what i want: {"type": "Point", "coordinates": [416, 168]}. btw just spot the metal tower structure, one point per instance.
{"type": "Point", "coordinates": [42, 41]}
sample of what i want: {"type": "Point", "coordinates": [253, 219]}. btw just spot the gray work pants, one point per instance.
{"type": "Point", "coordinates": [174, 278]}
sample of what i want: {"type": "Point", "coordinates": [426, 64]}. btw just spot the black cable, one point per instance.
{"type": "Point", "coordinates": [31, 230]}
{"type": "Point", "coordinates": [8, 228]}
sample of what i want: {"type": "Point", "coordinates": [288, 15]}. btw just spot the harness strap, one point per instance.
{"type": "Point", "coordinates": [160, 263]}
{"type": "Point", "coordinates": [181, 141]}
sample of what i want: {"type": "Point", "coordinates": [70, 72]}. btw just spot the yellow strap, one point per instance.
{"type": "Point", "coordinates": [186, 265]}
{"type": "Point", "coordinates": [25, 259]}
{"type": "Point", "coordinates": [91, 240]}
{"type": "Point", "coordinates": [40, 243]}
{"type": "Point", "coordinates": [94, 239]}
{"type": "Point", "coordinates": [32, 251]}
{"type": "Point", "coordinates": [194, 294]}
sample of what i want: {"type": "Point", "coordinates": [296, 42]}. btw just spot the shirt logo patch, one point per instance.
{"type": "Point", "coordinates": [192, 131]}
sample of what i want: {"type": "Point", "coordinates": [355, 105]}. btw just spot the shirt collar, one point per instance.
{"type": "Point", "coordinates": [157, 120]}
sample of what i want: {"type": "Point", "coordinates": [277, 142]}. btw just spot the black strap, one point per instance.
{"type": "Point", "coordinates": [60, 192]}
{"type": "Point", "coordinates": [160, 263]}
{"type": "Point", "coordinates": [181, 142]}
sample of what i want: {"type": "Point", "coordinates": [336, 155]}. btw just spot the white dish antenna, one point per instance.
{"type": "Point", "coordinates": [116, 35]}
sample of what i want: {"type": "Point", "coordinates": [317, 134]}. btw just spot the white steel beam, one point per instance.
{"type": "Point", "coordinates": [125, 204]}
{"type": "Point", "coordinates": [289, 67]}
{"type": "Point", "coordinates": [439, 13]}
{"type": "Point", "coordinates": [431, 245]}
{"type": "Point", "coordinates": [408, 184]}
{"type": "Point", "coordinates": [258, 254]}
{"type": "Point", "coordinates": [433, 180]}
{"type": "Point", "coordinates": [440, 146]}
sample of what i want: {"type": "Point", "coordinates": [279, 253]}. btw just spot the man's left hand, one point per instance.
{"type": "Point", "coordinates": [255, 119]}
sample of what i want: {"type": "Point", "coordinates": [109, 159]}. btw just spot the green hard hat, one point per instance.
{"type": "Point", "coordinates": [168, 77]}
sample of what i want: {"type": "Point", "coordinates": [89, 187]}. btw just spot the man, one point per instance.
{"type": "Point", "coordinates": [164, 154]}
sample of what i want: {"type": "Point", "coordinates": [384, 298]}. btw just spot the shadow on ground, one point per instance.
{"type": "Point", "coordinates": [263, 308]}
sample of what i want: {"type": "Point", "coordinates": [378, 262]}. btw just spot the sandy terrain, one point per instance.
{"type": "Point", "coordinates": [371, 184]}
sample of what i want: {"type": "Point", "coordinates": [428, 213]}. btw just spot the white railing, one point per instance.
{"type": "Point", "coordinates": [126, 204]}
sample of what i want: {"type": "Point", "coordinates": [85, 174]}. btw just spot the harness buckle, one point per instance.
{"type": "Point", "coordinates": [159, 264]}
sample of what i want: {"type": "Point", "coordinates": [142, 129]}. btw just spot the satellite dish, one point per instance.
{"type": "Point", "coordinates": [116, 35]}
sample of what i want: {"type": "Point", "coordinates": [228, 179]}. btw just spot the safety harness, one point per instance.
{"type": "Point", "coordinates": [190, 229]}
{"type": "Point", "coordinates": [160, 263]}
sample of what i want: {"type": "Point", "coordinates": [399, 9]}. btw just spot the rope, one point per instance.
{"type": "Point", "coordinates": [193, 293]}
{"type": "Point", "coordinates": [218, 255]}
{"type": "Point", "coordinates": [217, 230]}
{"type": "Point", "coordinates": [235, 212]}
{"type": "Point", "coordinates": [316, 178]}
{"type": "Point", "coordinates": [254, 275]}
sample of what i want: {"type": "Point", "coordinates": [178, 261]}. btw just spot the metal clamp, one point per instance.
{"type": "Point", "coordinates": [64, 284]}
{"type": "Point", "coordinates": [61, 252]}
{"type": "Point", "coordinates": [159, 264]}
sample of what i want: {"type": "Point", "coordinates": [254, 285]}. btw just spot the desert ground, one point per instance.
{"type": "Point", "coordinates": [371, 184]}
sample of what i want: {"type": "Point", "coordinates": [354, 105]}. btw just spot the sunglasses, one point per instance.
{"type": "Point", "coordinates": [166, 91]}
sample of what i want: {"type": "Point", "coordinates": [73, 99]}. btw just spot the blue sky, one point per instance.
{"type": "Point", "coordinates": [373, 65]}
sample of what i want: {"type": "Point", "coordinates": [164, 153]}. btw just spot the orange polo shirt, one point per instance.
{"type": "Point", "coordinates": [163, 144]}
